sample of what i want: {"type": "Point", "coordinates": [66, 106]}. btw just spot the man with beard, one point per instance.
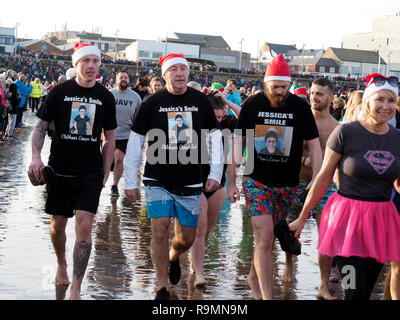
{"type": "Point", "coordinates": [270, 187]}
{"type": "Point", "coordinates": [321, 96]}
{"type": "Point", "coordinates": [126, 102]}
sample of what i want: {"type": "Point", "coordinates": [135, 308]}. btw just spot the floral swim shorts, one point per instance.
{"type": "Point", "coordinates": [264, 200]}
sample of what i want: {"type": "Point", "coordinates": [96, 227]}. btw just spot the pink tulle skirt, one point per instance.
{"type": "Point", "coordinates": [360, 228]}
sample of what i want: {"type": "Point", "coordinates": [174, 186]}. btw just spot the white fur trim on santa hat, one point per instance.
{"type": "Point", "coordinates": [83, 52]}
{"type": "Point", "coordinates": [281, 78]}
{"type": "Point", "coordinates": [372, 88]}
{"type": "Point", "coordinates": [170, 62]}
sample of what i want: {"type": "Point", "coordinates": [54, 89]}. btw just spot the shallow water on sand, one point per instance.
{"type": "Point", "coordinates": [120, 266]}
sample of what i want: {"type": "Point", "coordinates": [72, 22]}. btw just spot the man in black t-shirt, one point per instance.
{"type": "Point", "coordinates": [79, 169]}
{"type": "Point", "coordinates": [173, 171]}
{"type": "Point", "coordinates": [271, 180]}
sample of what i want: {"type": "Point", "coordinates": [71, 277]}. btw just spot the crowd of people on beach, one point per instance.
{"type": "Point", "coordinates": [322, 149]}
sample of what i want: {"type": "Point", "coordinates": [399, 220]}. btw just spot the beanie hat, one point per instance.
{"type": "Point", "coordinates": [278, 69]}
{"type": "Point", "coordinates": [82, 50]}
{"type": "Point", "coordinates": [298, 88]}
{"type": "Point", "coordinates": [371, 87]}
{"type": "Point", "coordinates": [171, 59]}
{"type": "Point", "coordinates": [217, 86]}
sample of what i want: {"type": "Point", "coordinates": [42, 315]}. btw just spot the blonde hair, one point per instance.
{"type": "Point", "coordinates": [366, 107]}
{"type": "Point", "coordinates": [354, 101]}
{"type": "Point", "coordinates": [398, 104]}
{"type": "Point", "coordinates": [339, 102]}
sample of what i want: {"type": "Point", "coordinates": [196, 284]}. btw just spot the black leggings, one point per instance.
{"type": "Point", "coordinates": [359, 276]}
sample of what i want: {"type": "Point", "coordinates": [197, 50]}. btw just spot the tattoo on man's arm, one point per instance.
{"type": "Point", "coordinates": [39, 135]}
{"type": "Point", "coordinates": [82, 251]}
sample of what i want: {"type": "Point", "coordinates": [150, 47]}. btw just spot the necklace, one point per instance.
{"type": "Point", "coordinates": [373, 141]}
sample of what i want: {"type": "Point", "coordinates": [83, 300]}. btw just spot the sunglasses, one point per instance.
{"type": "Point", "coordinates": [380, 81]}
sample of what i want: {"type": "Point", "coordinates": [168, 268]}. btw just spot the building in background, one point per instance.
{"type": "Point", "coordinates": [356, 63]}
{"type": "Point", "coordinates": [212, 48]}
{"type": "Point", "coordinates": [149, 50]}
{"type": "Point", "coordinates": [7, 40]}
{"type": "Point", "coordinates": [314, 65]}
{"type": "Point", "coordinates": [384, 37]}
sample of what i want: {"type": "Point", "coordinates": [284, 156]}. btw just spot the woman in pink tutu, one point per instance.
{"type": "Point", "coordinates": [360, 225]}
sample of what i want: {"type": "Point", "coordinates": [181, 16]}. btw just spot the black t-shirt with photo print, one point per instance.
{"type": "Point", "coordinates": [169, 161]}
{"type": "Point", "coordinates": [74, 152]}
{"type": "Point", "coordinates": [293, 123]}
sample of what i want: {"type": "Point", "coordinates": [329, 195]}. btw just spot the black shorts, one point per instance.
{"type": "Point", "coordinates": [121, 145]}
{"type": "Point", "coordinates": [209, 194]}
{"type": "Point", "coordinates": [65, 195]}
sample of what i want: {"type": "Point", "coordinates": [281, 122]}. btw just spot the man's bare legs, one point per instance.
{"type": "Point", "coordinates": [182, 241]}
{"type": "Point", "coordinates": [82, 249]}
{"type": "Point", "coordinates": [287, 275]}
{"type": "Point", "coordinates": [209, 211]}
{"type": "Point", "coordinates": [118, 166]}
{"type": "Point", "coordinates": [58, 238]}
{"type": "Point", "coordinates": [264, 235]}
{"type": "Point", "coordinates": [198, 248]}
{"type": "Point", "coordinates": [252, 281]}
{"type": "Point", "coordinates": [159, 249]}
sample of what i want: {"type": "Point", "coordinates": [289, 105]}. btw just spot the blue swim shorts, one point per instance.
{"type": "Point", "coordinates": [184, 206]}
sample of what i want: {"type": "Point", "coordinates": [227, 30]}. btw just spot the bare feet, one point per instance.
{"type": "Point", "coordinates": [62, 276]}
{"type": "Point", "coordinates": [75, 294]}
{"type": "Point", "coordinates": [287, 275]}
{"type": "Point", "coordinates": [255, 289]}
{"type": "Point", "coordinates": [200, 281]}
{"type": "Point", "coordinates": [324, 294]}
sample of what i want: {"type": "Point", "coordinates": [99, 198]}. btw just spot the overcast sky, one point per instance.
{"type": "Point", "coordinates": [314, 23]}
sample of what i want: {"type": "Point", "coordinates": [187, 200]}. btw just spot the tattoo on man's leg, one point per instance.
{"type": "Point", "coordinates": [81, 257]}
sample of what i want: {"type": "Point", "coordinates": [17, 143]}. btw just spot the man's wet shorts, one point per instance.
{"type": "Point", "coordinates": [264, 200]}
{"type": "Point", "coordinates": [65, 195]}
{"type": "Point", "coordinates": [298, 205]}
{"type": "Point", "coordinates": [182, 203]}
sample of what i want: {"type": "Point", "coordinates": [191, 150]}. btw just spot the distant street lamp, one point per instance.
{"type": "Point", "coordinates": [16, 37]}
{"type": "Point", "coordinates": [240, 57]}
{"type": "Point", "coordinates": [116, 45]}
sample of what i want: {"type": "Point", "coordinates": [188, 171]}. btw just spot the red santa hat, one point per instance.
{"type": "Point", "coordinates": [278, 69]}
{"type": "Point", "coordinates": [371, 87]}
{"type": "Point", "coordinates": [99, 78]}
{"type": "Point", "coordinates": [171, 59]}
{"type": "Point", "coordinates": [82, 50]}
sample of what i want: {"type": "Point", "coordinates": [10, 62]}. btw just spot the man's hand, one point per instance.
{"type": "Point", "coordinates": [211, 185]}
{"type": "Point", "coordinates": [132, 194]}
{"type": "Point", "coordinates": [233, 193]}
{"type": "Point", "coordinates": [34, 168]}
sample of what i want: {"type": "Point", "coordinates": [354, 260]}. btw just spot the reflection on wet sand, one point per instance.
{"type": "Point", "coordinates": [120, 265]}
